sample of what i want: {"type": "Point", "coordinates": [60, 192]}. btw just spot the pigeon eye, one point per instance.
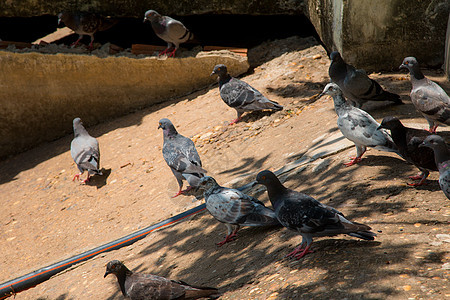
{"type": "Point", "coordinates": [263, 178]}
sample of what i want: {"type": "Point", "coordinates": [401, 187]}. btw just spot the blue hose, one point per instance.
{"type": "Point", "coordinates": [32, 279]}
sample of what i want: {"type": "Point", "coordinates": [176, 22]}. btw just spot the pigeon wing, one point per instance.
{"type": "Point", "coordinates": [432, 101]}
{"type": "Point", "coordinates": [85, 152]}
{"type": "Point", "coordinates": [147, 286]}
{"type": "Point", "coordinates": [175, 32]}
{"type": "Point", "coordinates": [361, 128]}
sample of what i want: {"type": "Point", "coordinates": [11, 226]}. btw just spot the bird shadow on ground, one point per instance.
{"type": "Point", "coordinates": [99, 180]}
{"type": "Point", "coordinates": [237, 264]}
{"type": "Point", "coordinates": [300, 89]}
{"type": "Point", "coordinates": [249, 164]}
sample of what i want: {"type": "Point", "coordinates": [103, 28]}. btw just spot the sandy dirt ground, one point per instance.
{"type": "Point", "coordinates": [47, 217]}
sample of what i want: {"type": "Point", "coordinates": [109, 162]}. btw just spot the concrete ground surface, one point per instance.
{"type": "Point", "coordinates": [47, 217]}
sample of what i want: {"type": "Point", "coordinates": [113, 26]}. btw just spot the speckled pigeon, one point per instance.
{"type": "Point", "coordinates": [232, 207]}
{"type": "Point", "coordinates": [427, 96]}
{"type": "Point", "coordinates": [442, 159]}
{"type": "Point", "coordinates": [408, 141]}
{"type": "Point", "coordinates": [181, 156]}
{"type": "Point", "coordinates": [85, 151]}
{"type": "Point", "coordinates": [358, 126]}
{"type": "Point", "coordinates": [136, 286]}
{"type": "Point", "coordinates": [307, 216]}
{"type": "Point", "coordinates": [85, 24]}
{"type": "Point", "coordinates": [356, 86]}
{"type": "Point", "coordinates": [240, 95]}
{"type": "Point", "coordinates": [170, 30]}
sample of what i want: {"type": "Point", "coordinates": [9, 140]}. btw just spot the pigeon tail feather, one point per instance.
{"type": "Point", "coordinates": [194, 292]}
{"type": "Point", "coordinates": [365, 235]}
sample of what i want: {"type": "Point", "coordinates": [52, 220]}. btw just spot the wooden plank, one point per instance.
{"type": "Point", "coordinates": [137, 49]}
{"type": "Point", "coordinates": [55, 36]}
{"type": "Point", "coordinates": [19, 45]}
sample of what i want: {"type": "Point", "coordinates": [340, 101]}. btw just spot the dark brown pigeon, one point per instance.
{"type": "Point", "coordinates": [233, 207]}
{"type": "Point", "coordinates": [442, 158]}
{"type": "Point", "coordinates": [170, 30]}
{"type": "Point", "coordinates": [427, 96]}
{"type": "Point", "coordinates": [357, 87]}
{"type": "Point", "coordinates": [307, 216]}
{"type": "Point", "coordinates": [240, 95]}
{"type": "Point", "coordinates": [408, 141]}
{"type": "Point", "coordinates": [137, 286]}
{"type": "Point", "coordinates": [85, 151]}
{"type": "Point", "coordinates": [181, 156]}
{"type": "Point", "coordinates": [85, 24]}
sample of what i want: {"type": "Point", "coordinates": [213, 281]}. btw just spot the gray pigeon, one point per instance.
{"type": "Point", "coordinates": [85, 24]}
{"type": "Point", "coordinates": [240, 95]}
{"type": "Point", "coordinates": [170, 30]}
{"type": "Point", "coordinates": [181, 156]}
{"type": "Point", "coordinates": [85, 151]}
{"type": "Point", "coordinates": [358, 126]}
{"type": "Point", "coordinates": [442, 158]}
{"type": "Point", "coordinates": [408, 141]}
{"type": "Point", "coordinates": [427, 96]}
{"type": "Point", "coordinates": [136, 286]}
{"type": "Point", "coordinates": [356, 86]}
{"type": "Point", "coordinates": [232, 207]}
{"type": "Point", "coordinates": [307, 216]}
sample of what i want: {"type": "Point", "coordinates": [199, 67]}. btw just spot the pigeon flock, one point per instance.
{"type": "Point", "coordinates": [350, 88]}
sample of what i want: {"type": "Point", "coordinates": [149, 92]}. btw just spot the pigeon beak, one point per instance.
{"type": "Point", "coordinates": [320, 95]}
{"type": "Point", "coordinates": [380, 127]}
{"type": "Point", "coordinates": [212, 73]}
{"type": "Point", "coordinates": [106, 274]}
{"type": "Point", "coordinates": [159, 126]}
{"type": "Point", "coordinates": [403, 66]}
{"type": "Point", "coordinates": [145, 20]}
{"type": "Point", "coordinates": [423, 145]}
{"type": "Point", "coordinates": [255, 183]}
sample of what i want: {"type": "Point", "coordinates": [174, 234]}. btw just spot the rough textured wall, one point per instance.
{"type": "Point", "coordinates": [40, 101]}
{"type": "Point", "coordinates": [136, 8]}
{"type": "Point", "coordinates": [379, 34]}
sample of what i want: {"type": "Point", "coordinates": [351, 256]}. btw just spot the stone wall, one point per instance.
{"type": "Point", "coordinates": [42, 94]}
{"type": "Point", "coordinates": [377, 35]}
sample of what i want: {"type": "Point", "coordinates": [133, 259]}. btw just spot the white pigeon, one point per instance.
{"type": "Point", "coordinates": [358, 126]}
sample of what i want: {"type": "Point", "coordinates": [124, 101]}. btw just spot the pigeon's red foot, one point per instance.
{"type": "Point", "coordinates": [228, 238]}
{"type": "Point", "coordinates": [77, 177]}
{"type": "Point", "coordinates": [180, 192]}
{"type": "Point", "coordinates": [433, 129]}
{"type": "Point", "coordinates": [302, 251]}
{"type": "Point", "coordinates": [234, 121]}
{"type": "Point", "coordinates": [354, 160]}
{"type": "Point", "coordinates": [422, 177]}
{"type": "Point", "coordinates": [416, 177]}
{"type": "Point", "coordinates": [172, 53]}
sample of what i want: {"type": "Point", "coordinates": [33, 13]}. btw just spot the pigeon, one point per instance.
{"type": "Point", "coordinates": [240, 95]}
{"type": "Point", "coordinates": [356, 86]}
{"type": "Point", "coordinates": [408, 141]}
{"type": "Point", "coordinates": [442, 159]}
{"type": "Point", "coordinates": [85, 151]}
{"type": "Point", "coordinates": [170, 30]}
{"type": "Point", "coordinates": [85, 24]}
{"type": "Point", "coordinates": [358, 126]}
{"type": "Point", "coordinates": [304, 214]}
{"type": "Point", "coordinates": [136, 286]}
{"type": "Point", "coordinates": [427, 96]}
{"type": "Point", "coordinates": [232, 207]}
{"type": "Point", "coordinates": [181, 156]}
